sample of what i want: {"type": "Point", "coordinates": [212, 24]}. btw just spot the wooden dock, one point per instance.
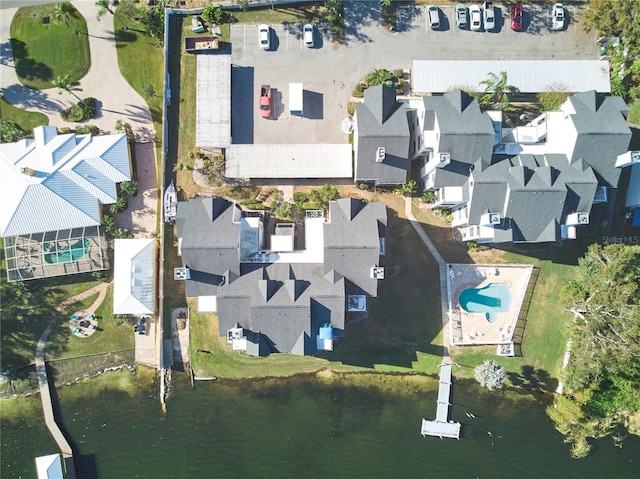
{"type": "Point", "coordinates": [47, 405]}
{"type": "Point", "coordinates": [442, 427]}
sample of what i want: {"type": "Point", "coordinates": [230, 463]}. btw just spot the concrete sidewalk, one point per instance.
{"type": "Point", "coordinates": [117, 100]}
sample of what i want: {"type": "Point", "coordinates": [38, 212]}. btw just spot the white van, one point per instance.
{"type": "Point", "coordinates": [434, 17]}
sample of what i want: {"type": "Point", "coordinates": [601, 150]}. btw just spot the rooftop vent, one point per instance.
{"type": "Point", "coordinates": [27, 171]}
{"type": "Point", "coordinates": [380, 154]}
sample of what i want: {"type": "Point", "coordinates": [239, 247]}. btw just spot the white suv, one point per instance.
{"type": "Point", "coordinates": [489, 16]}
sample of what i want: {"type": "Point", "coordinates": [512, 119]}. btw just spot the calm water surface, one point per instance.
{"type": "Point", "coordinates": [302, 428]}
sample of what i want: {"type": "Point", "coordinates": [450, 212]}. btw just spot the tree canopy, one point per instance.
{"type": "Point", "coordinates": [603, 374]}
{"type": "Point", "coordinates": [620, 19]}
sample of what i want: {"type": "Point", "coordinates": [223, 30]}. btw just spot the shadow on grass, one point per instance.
{"type": "Point", "coordinates": [25, 66]}
{"type": "Point", "coordinates": [533, 379]}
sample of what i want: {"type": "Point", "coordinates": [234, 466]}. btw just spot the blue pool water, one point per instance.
{"type": "Point", "coordinates": [492, 298]}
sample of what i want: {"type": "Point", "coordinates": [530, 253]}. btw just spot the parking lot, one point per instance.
{"type": "Point", "coordinates": [329, 74]}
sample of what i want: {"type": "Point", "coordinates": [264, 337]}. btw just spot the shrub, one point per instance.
{"type": "Point", "coordinates": [299, 197]}
{"type": "Point", "coordinates": [10, 132]}
{"type": "Point", "coordinates": [64, 130]}
{"type": "Point", "coordinates": [284, 210]}
{"type": "Point", "coordinates": [429, 197]}
{"type": "Point", "coordinates": [75, 113]}
{"type": "Point", "coordinates": [88, 106]}
{"type": "Point", "coordinates": [364, 186]}
{"type": "Point", "coordinates": [490, 375]}
{"type": "Point", "coordinates": [87, 130]}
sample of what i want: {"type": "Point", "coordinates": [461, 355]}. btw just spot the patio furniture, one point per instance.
{"type": "Point", "coordinates": [92, 317]}
{"type": "Point", "coordinates": [92, 327]}
{"type": "Point", "coordinates": [75, 330]}
{"type": "Point", "coordinates": [75, 316]}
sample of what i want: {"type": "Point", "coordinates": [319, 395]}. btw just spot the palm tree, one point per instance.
{"type": "Point", "coordinates": [62, 11]}
{"type": "Point", "coordinates": [63, 83]}
{"type": "Point", "coordinates": [497, 90]}
{"type": "Point", "coordinates": [106, 6]}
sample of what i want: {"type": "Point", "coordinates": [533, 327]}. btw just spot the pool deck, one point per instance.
{"type": "Point", "coordinates": [473, 328]}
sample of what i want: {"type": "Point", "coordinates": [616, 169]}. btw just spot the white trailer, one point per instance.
{"type": "Point", "coordinates": [295, 99]}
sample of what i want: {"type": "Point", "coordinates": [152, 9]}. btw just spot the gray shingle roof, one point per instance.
{"type": "Point", "coordinates": [534, 193]}
{"type": "Point", "coordinates": [210, 234]}
{"type": "Point", "coordinates": [603, 133]}
{"type": "Point", "coordinates": [284, 305]}
{"type": "Point", "coordinates": [465, 131]}
{"type": "Point", "coordinates": [381, 121]}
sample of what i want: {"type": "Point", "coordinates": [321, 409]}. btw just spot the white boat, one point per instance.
{"type": "Point", "coordinates": [170, 204]}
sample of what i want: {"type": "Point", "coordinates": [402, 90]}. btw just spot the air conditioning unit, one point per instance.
{"type": "Point", "coordinates": [444, 160]}
{"type": "Point", "coordinates": [583, 218]}
{"type": "Point", "coordinates": [380, 154]}
{"type": "Point", "coordinates": [181, 274]}
{"type": "Point", "coordinates": [377, 272]}
{"type": "Point", "coordinates": [494, 218]}
{"type": "Point", "coordinates": [628, 158]}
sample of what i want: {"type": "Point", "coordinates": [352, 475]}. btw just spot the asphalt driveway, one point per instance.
{"type": "Point", "coordinates": [329, 74]}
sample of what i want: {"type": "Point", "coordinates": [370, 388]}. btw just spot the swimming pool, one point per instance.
{"type": "Point", "coordinates": [492, 298]}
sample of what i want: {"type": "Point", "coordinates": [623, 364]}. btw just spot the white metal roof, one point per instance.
{"type": "Point", "coordinates": [213, 101]}
{"type": "Point", "coordinates": [72, 176]}
{"type": "Point", "coordinates": [529, 76]}
{"type": "Point", "coordinates": [134, 276]}
{"type": "Point", "coordinates": [289, 161]}
{"type": "Point", "coordinates": [49, 467]}
{"type": "Point", "coordinates": [633, 193]}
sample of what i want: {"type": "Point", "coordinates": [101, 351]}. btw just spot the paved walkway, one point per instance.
{"type": "Point", "coordinates": [117, 100]}
{"type": "Point", "coordinates": [43, 380]}
{"type": "Point", "coordinates": [442, 265]}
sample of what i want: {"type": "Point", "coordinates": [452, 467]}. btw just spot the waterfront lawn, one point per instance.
{"type": "Point", "coordinates": [27, 120]}
{"type": "Point", "coordinates": [112, 334]}
{"type": "Point", "coordinates": [403, 329]}
{"type": "Point", "coordinates": [43, 52]}
{"type": "Point", "coordinates": [544, 339]}
{"type": "Point", "coordinates": [211, 356]}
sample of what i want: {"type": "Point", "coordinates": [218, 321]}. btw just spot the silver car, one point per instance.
{"type": "Point", "coordinates": [461, 16]}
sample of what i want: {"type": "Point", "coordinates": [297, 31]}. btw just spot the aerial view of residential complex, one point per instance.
{"type": "Point", "coordinates": [285, 238]}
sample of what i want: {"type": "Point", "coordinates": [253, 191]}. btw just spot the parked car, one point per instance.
{"type": "Point", "coordinates": [516, 17]}
{"type": "Point", "coordinates": [475, 15]}
{"type": "Point", "coordinates": [308, 35]}
{"type": "Point", "coordinates": [434, 17]}
{"type": "Point", "coordinates": [264, 35]}
{"type": "Point", "coordinates": [266, 101]}
{"type": "Point", "coordinates": [557, 17]}
{"type": "Point", "coordinates": [142, 326]}
{"type": "Point", "coordinates": [489, 16]}
{"type": "Point", "coordinates": [461, 16]}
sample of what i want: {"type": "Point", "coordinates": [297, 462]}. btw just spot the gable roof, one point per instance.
{"type": "Point", "coordinates": [209, 229]}
{"type": "Point", "coordinates": [49, 467]}
{"type": "Point", "coordinates": [381, 122]}
{"type": "Point", "coordinates": [463, 130]}
{"type": "Point", "coordinates": [534, 194]}
{"type": "Point", "coordinates": [134, 276]}
{"type": "Point", "coordinates": [56, 182]}
{"type": "Point", "coordinates": [284, 303]}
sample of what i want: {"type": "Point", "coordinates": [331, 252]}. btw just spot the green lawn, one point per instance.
{"type": "Point", "coordinates": [141, 63]}
{"type": "Point", "coordinates": [27, 120]}
{"type": "Point", "coordinates": [634, 112]}
{"type": "Point", "coordinates": [544, 333]}
{"type": "Point", "coordinates": [44, 52]}
{"type": "Point", "coordinates": [112, 335]}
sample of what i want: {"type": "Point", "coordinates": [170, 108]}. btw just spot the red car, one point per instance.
{"type": "Point", "coordinates": [516, 17]}
{"type": "Point", "coordinates": [265, 101]}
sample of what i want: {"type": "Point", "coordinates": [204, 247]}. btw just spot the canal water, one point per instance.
{"type": "Point", "coordinates": [300, 427]}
